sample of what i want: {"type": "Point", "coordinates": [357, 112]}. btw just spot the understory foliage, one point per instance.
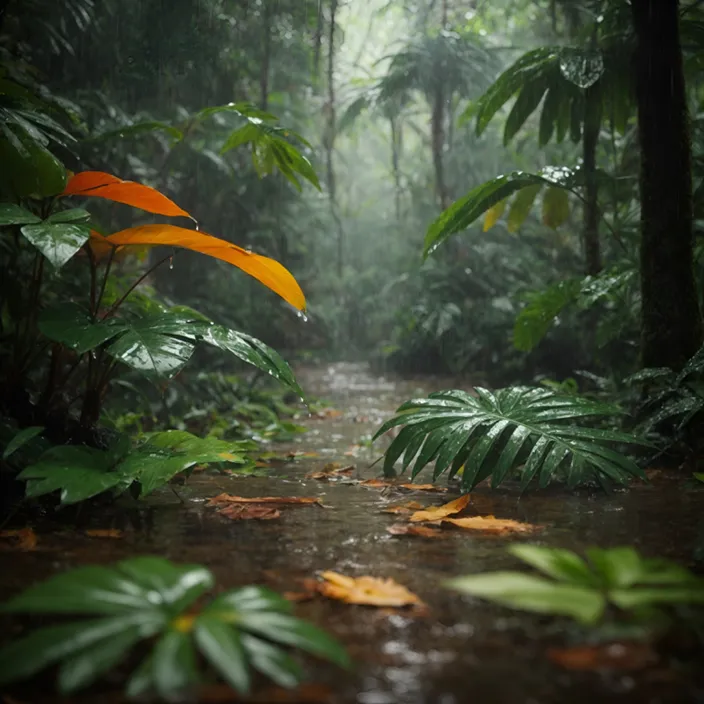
{"type": "Point", "coordinates": [238, 632]}
{"type": "Point", "coordinates": [520, 431]}
{"type": "Point", "coordinates": [610, 582]}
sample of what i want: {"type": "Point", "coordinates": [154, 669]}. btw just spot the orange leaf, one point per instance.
{"type": "Point", "coordinates": [627, 655]}
{"type": "Point", "coordinates": [491, 524]}
{"type": "Point", "coordinates": [26, 538]}
{"type": "Point", "coordinates": [243, 512]}
{"type": "Point", "coordinates": [330, 471]}
{"type": "Point", "coordinates": [382, 483]}
{"type": "Point", "coordinates": [371, 591]}
{"type": "Point", "coordinates": [408, 507]}
{"type": "Point", "coordinates": [435, 513]}
{"type": "Point", "coordinates": [104, 533]}
{"type": "Point", "coordinates": [268, 271]}
{"type": "Point", "coordinates": [421, 531]}
{"type": "Point", "coordinates": [225, 499]}
{"type": "Point", "coordinates": [423, 487]}
{"type": "Point", "coordinates": [102, 185]}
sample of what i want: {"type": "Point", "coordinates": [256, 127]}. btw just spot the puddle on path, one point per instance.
{"type": "Point", "coordinates": [461, 650]}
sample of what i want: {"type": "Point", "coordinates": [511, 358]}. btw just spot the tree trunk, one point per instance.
{"type": "Point", "coordinates": [317, 42]}
{"type": "Point", "coordinates": [671, 326]}
{"type": "Point", "coordinates": [266, 59]}
{"type": "Point", "coordinates": [437, 138]}
{"type": "Point", "coordinates": [395, 149]}
{"type": "Point", "coordinates": [590, 139]}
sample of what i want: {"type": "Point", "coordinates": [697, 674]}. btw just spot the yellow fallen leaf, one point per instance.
{"type": "Point", "coordinates": [491, 524]}
{"type": "Point", "coordinates": [435, 513]}
{"type": "Point", "coordinates": [104, 533]}
{"type": "Point", "coordinates": [407, 507]}
{"type": "Point", "coordinates": [371, 591]}
{"type": "Point", "coordinates": [418, 530]}
{"type": "Point", "coordinates": [330, 471]}
{"type": "Point", "coordinates": [382, 483]}
{"type": "Point", "coordinates": [26, 538]}
{"type": "Point", "coordinates": [224, 499]}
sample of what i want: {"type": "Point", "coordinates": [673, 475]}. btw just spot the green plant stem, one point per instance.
{"type": "Point", "coordinates": [108, 266]}
{"type": "Point", "coordinates": [122, 298]}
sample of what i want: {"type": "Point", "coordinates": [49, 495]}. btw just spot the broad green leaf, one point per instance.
{"type": "Point", "coordinates": [11, 214]}
{"type": "Point", "coordinates": [83, 668]}
{"type": "Point", "coordinates": [550, 113]}
{"type": "Point", "coordinates": [174, 664]}
{"type": "Point", "coordinates": [153, 468]}
{"type": "Point", "coordinates": [21, 438]}
{"type": "Point", "coordinates": [618, 567]}
{"type": "Point", "coordinates": [248, 599]}
{"type": "Point", "coordinates": [252, 351]}
{"type": "Point", "coordinates": [530, 593]}
{"type": "Point", "coordinates": [79, 473]}
{"type": "Point", "coordinates": [556, 207]}
{"type": "Point", "coordinates": [271, 661]}
{"type": "Point", "coordinates": [58, 242]}
{"type": "Point", "coordinates": [527, 102]}
{"type": "Point", "coordinates": [637, 597]}
{"type": "Point", "coordinates": [71, 215]}
{"type": "Point", "coordinates": [699, 476]}
{"type": "Point", "coordinates": [73, 326]}
{"type": "Point", "coordinates": [222, 646]}
{"type": "Point", "coordinates": [521, 206]}
{"type": "Point", "coordinates": [463, 212]}
{"type": "Point", "coordinates": [195, 449]}
{"type": "Point", "coordinates": [493, 215]}
{"type": "Point", "coordinates": [157, 346]}
{"type": "Point", "coordinates": [563, 565]}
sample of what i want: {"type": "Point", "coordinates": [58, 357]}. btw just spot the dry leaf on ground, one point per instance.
{"type": "Point", "coordinates": [225, 499]}
{"type": "Point", "coordinates": [626, 655]}
{"type": "Point", "coordinates": [491, 524]}
{"type": "Point", "coordinates": [105, 533]}
{"type": "Point", "coordinates": [419, 530]}
{"type": "Point", "coordinates": [371, 591]}
{"type": "Point", "coordinates": [307, 693]}
{"type": "Point", "coordinates": [407, 507]}
{"type": "Point", "coordinates": [382, 484]}
{"type": "Point", "coordinates": [435, 513]}
{"type": "Point", "coordinates": [24, 538]}
{"type": "Point", "coordinates": [248, 512]}
{"type": "Point", "coordinates": [330, 471]}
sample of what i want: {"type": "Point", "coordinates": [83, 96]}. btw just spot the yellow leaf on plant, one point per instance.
{"type": "Point", "coordinates": [267, 271]}
{"type": "Point", "coordinates": [101, 185]}
{"type": "Point", "coordinates": [435, 513]}
{"type": "Point", "coordinates": [491, 524]}
{"type": "Point", "coordinates": [493, 215]}
{"type": "Point", "coordinates": [371, 591]}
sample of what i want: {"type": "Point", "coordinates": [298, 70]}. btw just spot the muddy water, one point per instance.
{"type": "Point", "coordinates": [460, 650]}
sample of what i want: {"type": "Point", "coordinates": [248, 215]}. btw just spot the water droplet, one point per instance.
{"type": "Point", "coordinates": [302, 316]}
{"type": "Point", "coordinates": [171, 263]}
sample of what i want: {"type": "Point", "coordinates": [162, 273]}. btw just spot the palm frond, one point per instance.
{"type": "Point", "coordinates": [496, 433]}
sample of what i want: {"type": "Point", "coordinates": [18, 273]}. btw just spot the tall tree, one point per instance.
{"type": "Point", "coordinates": [671, 318]}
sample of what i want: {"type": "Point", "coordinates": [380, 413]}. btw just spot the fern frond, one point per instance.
{"type": "Point", "coordinates": [494, 433]}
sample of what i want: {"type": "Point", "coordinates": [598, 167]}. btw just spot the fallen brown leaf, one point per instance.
{"type": "Point", "coordinates": [371, 591]}
{"type": "Point", "coordinates": [225, 499]}
{"type": "Point", "coordinates": [330, 471]}
{"type": "Point", "coordinates": [408, 507]}
{"type": "Point", "coordinates": [622, 655]}
{"type": "Point", "coordinates": [410, 529]}
{"type": "Point", "coordinates": [104, 533]}
{"type": "Point", "coordinates": [381, 484]}
{"type": "Point", "coordinates": [491, 524]}
{"type": "Point", "coordinates": [435, 513]}
{"type": "Point", "coordinates": [25, 538]}
{"type": "Point", "coordinates": [248, 512]}
{"type": "Point", "coordinates": [307, 693]}
{"type": "Point", "coordinates": [328, 413]}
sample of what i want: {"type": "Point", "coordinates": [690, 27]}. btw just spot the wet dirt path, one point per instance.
{"type": "Point", "coordinates": [460, 650]}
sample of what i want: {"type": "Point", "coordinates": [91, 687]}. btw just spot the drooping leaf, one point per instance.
{"type": "Point", "coordinates": [521, 206]}
{"type": "Point", "coordinates": [58, 242]}
{"type": "Point", "coordinates": [11, 214]}
{"type": "Point", "coordinates": [101, 185]}
{"type": "Point", "coordinates": [267, 271]}
{"type": "Point", "coordinates": [530, 593]}
{"type": "Point", "coordinates": [21, 438]}
{"type": "Point", "coordinates": [73, 326]}
{"type": "Point", "coordinates": [529, 97]}
{"type": "Point", "coordinates": [556, 207]}
{"type": "Point", "coordinates": [493, 215]}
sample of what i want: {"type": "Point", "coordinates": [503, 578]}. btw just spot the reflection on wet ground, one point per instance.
{"type": "Point", "coordinates": [461, 650]}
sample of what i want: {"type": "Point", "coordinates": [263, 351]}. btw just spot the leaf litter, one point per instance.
{"type": "Point", "coordinates": [262, 508]}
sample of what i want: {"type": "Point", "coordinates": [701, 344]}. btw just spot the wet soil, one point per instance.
{"type": "Point", "coordinates": [459, 650]}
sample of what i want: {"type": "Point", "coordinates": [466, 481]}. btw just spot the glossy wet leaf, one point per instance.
{"type": "Point", "coordinates": [267, 271]}
{"type": "Point", "coordinates": [11, 214]}
{"type": "Point", "coordinates": [521, 206]}
{"type": "Point", "coordinates": [493, 433]}
{"type": "Point", "coordinates": [223, 648]}
{"type": "Point", "coordinates": [58, 242]}
{"type": "Point", "coordinates": [73, 326]}
{"type": "Point", "coordinates": [529, 593]}
{"type": "Point", "coordinates": [371, 591]}
{"type": "Point", "coordinates": [22, 437]}
{"type": "Point", "coordinates": [563, 565]}
{"type": "Point", "coordinates": [491, 524]}
{"type": "Point", "coordinates": [421, 531]}
{"type": "Point", "coordinates": [556, 207]}
{"type": "Point", "coordinates": [581, 67]}
{"type": "Point", "coordinates": [436, 513]}
{"type": "Point", "coordinates": [70, 215]}
{"type": "Point", "coordinates": [97, 184]}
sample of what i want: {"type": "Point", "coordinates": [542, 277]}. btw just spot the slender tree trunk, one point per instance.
{"type": "Point", "coordinates": [330, 137]}
{"type": "Point", "coordinates": [395, 148]}
{"type": "Point", "coordinates": [671, 325]}
{"type": "Point", "coordinates": [317, 42]}
{"type": "Point", "coordinates": [590, 139]}
{"type": "Point", "coordinates": [437, 140]}
{"type": "Point", "coordinates": [264, 68]}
